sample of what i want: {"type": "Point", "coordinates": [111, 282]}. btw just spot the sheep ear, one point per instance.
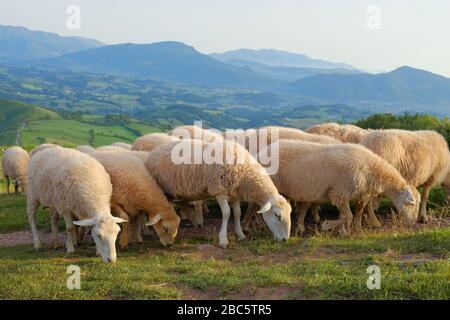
{"type": "Point", "coordinates": [410, 198]}
{"type": "Point", "coordinates": [265, 207]}
{"type": "Point", "coordinates": [85, 223]}
{"type": "Point", "coordinates": [153, 220]}
{"type": "Point", "coordinates": [119, 220]}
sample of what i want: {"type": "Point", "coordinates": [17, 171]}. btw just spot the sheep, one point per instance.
{"type": "Point", "coordinates": [85, 148]}
{"type": "Point", "coordinates": [347, 133]}
{"type": "Point", "coordinates": [241, 177]}
{"type": "Point", "coordinates": [446, 184]}
{"type": "Point", "coordinates": [74, 185]}
{"type": "Point", "coordinates": [267, 135]}
{"type": "Point", "coordinates": [123, 145]}
{"type": "Point", "coordinates": [15, 164]}
{"type": "Point", "coordinates": [421, 157]}
{"type": "Point", "coordinates": [150, 141]}
{"type": "Point", "coordinates": [135, 191]}
{"type": "Point", "coordinates": [315, 173]}
{"type": "Point", "coordinates": [196, 133]}
{"type": "Point", "coordinates": [42, 147]}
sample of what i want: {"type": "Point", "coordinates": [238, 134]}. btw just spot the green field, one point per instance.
{"type": "Point", "coordinates": [38, 125]}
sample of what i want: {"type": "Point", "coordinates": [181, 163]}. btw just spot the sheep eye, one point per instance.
{"type": "Point", "coordinates": [278, 216]}
{"type": "Point", "coordinates": [166, 230]}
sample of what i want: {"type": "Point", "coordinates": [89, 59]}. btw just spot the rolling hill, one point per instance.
{"type": "Point", "coordinates": [405, 88]}
{"type": "Point", "coordinates": [289, 74]}
{"type": "Point", "coordinates": [19, 43]}
{"type": "Point", "coordinates": [167, 61]}
{"type": "Point", "coordinates": [27, 124]}
{"type": "Point", "coordinates": [272, 57]}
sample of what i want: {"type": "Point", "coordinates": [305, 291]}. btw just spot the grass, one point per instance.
{"type": "Point", "coordinates": [414, 265]}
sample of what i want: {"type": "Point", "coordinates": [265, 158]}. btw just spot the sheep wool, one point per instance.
{"type": "Point", "coordinates": [150, 141]}
{"type": "Point", "coordinates": [15, 165]}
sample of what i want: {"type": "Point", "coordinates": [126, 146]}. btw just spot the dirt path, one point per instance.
{"type": "Point", "coordinates": [19, 133]}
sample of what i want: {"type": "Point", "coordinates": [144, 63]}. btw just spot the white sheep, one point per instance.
{"type": "Point", "coordinates": [85, 148]}
{"type": "Point", "coordinates": [196, 133]}
{"type": "Point", "coordinates": [150, 141]}
{"type": "Point", "coordinates": [123, 145]}
{"type": "Point", "coordinates": [347, 133]}
{"type": "Point", "coordinates": [240, 178]}
{"type": "Point", "coordinates": [15, 165]}
{"type": "Point", "coordinates": [42, 147]}
{"type": "Point", "coordinates": [73, 184]}
{"type": "Point", "coordinates": [135, 192]}
{"type": "Point", "coordinates": [421, 157]}
{"type": "Point", "coordinates": [317, 173]}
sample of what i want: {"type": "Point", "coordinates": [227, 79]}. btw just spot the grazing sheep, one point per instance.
{"type": "Point", "coordinates": [240, 178]}
{"type": "Point", "coordinates": [85, 148]}
{"type": "Point", "coordinates": [347, 133]}
{"type": "Point", "coordinates": [265, 136]}
{"type": "Point", "coordinates": [42, 147]}
{"type": "Point", "coordinates": [74, 185]}
{"type": "Point", "coordinates": [421, 157]}
{"type": "Point", "coordinates": [123, 145]}
{"type": "Point", "coordinates": [317, 173]}
{"type": "Point", "coordinates": [135, 192]}
{"type": "Point", "coordinates": [151, 141]}
{"type": "Point", "coordinates": [15, 165]}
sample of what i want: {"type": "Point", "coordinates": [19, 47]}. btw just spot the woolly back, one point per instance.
{"type": "Point", "coordinates": [70, 180]}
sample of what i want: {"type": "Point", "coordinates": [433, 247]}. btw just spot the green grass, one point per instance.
{"type": "Point", "coordinates": [414, 265]}
{"type": "Point", "coordinates": [43, 125]}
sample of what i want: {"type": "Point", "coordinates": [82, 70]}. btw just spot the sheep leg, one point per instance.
{"type": "Point", "coordinates": [123, 241]}
{"type": "Point", "coordinates": [357, 222]}
{"type": "Point", "coordinates": [237, 220]}
{"type": "Point", "coordinates": [423, 218]}
{"type": "Point", "coordinates": [371, 216]}
{"type": "Point", "coordinates": [315, 213]}
{"type": "Point", "coordinates": [79, 233]}
{"type": "Point", "coordinates": [205, 207]}
{"type": "Point", "coordinates": [32, 208]}
{"type": "Point", "coordinates": [301, 209]}
{"type": "Point", "coordinates": [70, 231]}
{"type": "Point", "coordinates": [345, 215]}
{"type": "Point", "coordinates": [54, 227]}
{"type": "Point", "coordinates": [16, 187]}
{"type": "Point", "coordinates": [249, 214]}
{"type": "Point", "coordinates": [225, 208]}
{"type": "Point", "coordinates": [7, 185]}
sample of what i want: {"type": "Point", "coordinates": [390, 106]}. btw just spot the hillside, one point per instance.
{"type": "Point", "coordinates": [272, 57]}
{"type": "Point", "coordinates": [39, 125]}
{"type": "Point", "coordinates": [19, 43]}
{"type": "Point", "coordinates": [168, 61]}
{"type": "Point", "coordinates": [405, 88]}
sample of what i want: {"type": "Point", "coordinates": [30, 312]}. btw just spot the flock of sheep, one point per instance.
{"type": "Point", "coordinates": [125, 188]}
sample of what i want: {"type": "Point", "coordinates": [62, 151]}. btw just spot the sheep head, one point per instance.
{"type": "Point", "coordinates": [407, 203]}
{"type": "Point", "coordinates": [166, 226]}
{"type": "Point", "coordinates": [276, 213]}
{"type": "Point", "coordinates": [104, 232]}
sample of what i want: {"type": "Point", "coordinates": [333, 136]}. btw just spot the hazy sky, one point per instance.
{"type": "Point", "coordinates": [412, 32]}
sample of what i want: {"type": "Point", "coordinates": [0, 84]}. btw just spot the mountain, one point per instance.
{"type": "Point", "coordinates": [405, 88]}
{"type": "Point", "coordinates": [19, 43]}
{"type": "Point", "coordinates": [289, 73]}
{"type": "Point", "coordinates": [168, 61]}
{"type": "Point", "coordinates": [272, 57]}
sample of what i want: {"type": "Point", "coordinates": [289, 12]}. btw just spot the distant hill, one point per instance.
{"type": "Point", "coordinates": [289, 73]}
{"type": "Point", "coordinates": [19, 43]}
{"type": "Point", "coordinates": [406, 88]}
{"type": "Point", "coordinates": [272, 57]}
{"type": "Point", "coordinates": [169, 61]}
{"type": "Point", "coordinates": [37, 125]}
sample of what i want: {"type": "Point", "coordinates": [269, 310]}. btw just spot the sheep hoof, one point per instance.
{"type": "Point", "coordinates": [241, 236]}
{"type": "Point", "coordinates": [223, 244]}
{"type": "Point", "coordinates": [325, 226]}
{"type": "Point", "coordinates": [424, 219]}
{"type": "Point", "coordinates": [37, 247]}
{"type": "Point", "coordinates": [70, 250]}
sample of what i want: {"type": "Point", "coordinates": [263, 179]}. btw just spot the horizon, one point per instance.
{"type": "Point", "coordinates": [294, 26]}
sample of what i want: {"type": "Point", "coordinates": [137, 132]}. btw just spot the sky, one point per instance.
{"type": "Point", "coordinates": [374, 35]}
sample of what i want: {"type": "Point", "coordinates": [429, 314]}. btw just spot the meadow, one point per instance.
{"type": "Point", "coordinates": [414, 263]}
